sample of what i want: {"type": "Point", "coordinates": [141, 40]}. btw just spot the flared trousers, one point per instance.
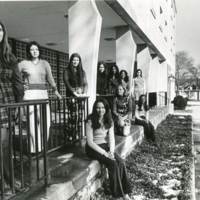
{"type": "Point", "coordinates": [119, 181]}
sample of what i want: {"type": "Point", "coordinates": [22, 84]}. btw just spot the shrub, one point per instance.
{"type": "Point", "coordinates": [179, 102]}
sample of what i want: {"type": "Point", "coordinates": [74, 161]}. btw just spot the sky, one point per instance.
{"type": "Point", "coordinates": [188, 28]}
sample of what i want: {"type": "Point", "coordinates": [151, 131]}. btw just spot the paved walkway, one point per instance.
{"type": "Point", "coordinates": [193, 109]}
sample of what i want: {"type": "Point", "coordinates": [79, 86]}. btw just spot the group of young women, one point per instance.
{"type": "Point", "coordinates": [100, 123]}
{"type": "Point", "coordinates": [107, 83]}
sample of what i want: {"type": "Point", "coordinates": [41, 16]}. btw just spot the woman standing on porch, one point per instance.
{"type": "Point", "coordinates": [113, 79]}
{"type": "Point", "coordinates": [36, 72]}
{"type": "Point", "coordinates": [98, 125]}
{"type": "Point", "coordinates": [139, 86]}
{"type": "Point", "coordinates": [75, 77]}
{"type": "Point", "coordinates": [76, 86]}
{"type": "Point", "coordinates": [101, 78]}
{"type": "Point", "coordinates": [11, 91]}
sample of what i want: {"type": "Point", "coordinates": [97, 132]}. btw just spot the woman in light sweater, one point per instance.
{"type": "Point", "coordinates": [36, 72]}
{"type": "Point", "coordinates": [98, 125]}
{"type": "Point", "coordinates": [139, 86]}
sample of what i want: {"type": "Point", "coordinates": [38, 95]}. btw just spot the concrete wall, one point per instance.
{"type": "Point", "coordinates": [151, 16]}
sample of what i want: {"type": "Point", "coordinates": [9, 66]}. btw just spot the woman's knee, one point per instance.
{"type": "Point", "coordinates": [112, 165]}
{"type": "Point", "coordinates": [126, 130]}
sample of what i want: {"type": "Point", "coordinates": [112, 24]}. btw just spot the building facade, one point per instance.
{"type": "Point", "coordinates": [139, 34]}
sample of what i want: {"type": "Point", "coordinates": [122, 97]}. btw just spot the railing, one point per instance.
{"type": "Point", "coordinates": [65, 126]}
{"type": "Point", "coordinates": [163, 100]}
{"type": "Point", "coordinates": [21, 166]}
{"type": "Point", "coordinates": [190, 94]}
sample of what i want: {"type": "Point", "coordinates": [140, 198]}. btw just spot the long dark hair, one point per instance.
{"type": "Point", "coordinates": [80, 71]}
{"type": "Point", "coordinates": [105, 71]}
{"type": "Point", "coordinates": [138, 71]}
{"type": "Point", "coordinates": [146, 107]}
{"type": "Point", "coordinates": [28, 47]}
{"type": "Point", "coordinates": [94, 117]}
{"type": "Point", "coordinates": [6, 54]}
{"type": "Point", "coordinates": [110, 75]}
{"type": "Point", "coordinates": [126, 79]}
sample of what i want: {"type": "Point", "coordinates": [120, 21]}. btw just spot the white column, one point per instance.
{"type": "Point", "coordinates": [163, 77]}
{"type": "Point", "coordinates": [84, 37]}
{"type": "Point", "coordinates": [125, 50]}
{"type": "Point", "coordinates": [154, 76]}
{"type": "Point", "coordinates": [144, 63]}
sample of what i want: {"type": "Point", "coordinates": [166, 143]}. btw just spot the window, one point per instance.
{"type": "Point", "coordinates": [153, 13]}
{"type": "Point", "coordinates": [161, 11]}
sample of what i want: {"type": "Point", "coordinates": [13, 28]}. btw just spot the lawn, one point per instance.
{"type": "Point", "coordinates": [163, 171]}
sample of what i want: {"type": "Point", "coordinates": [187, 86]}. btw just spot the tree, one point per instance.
{"type": "Point", "coordinates": [184, 65]}
{"type": "Point", "coordinates": [185, 68]}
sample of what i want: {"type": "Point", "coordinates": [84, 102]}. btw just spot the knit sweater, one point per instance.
{"type": "Point", "coordinates": [95, 137]}
{"type": "Point", "coordinates": [37, 74]}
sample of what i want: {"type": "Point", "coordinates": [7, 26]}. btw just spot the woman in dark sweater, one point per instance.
{"type": "Point", "coordinates": [113, 79]}
{"type": "Point", "coordinates": [76, 86]}
{"type": "Point", "coordinates": [142, 118]}
{"type": "Point", "coordinates": [101, 78]}
{"type": "Point", "coordinates": [75, 77]}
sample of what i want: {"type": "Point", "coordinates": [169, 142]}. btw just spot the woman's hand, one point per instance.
{"type": "Point", "coordinates": [109, 155]}
{"type": "Point", "coordinates": [76, 94]}
{"type": "Point", "coordinates": [25, 87]}
{"type": "Point", "coordinates": [83, 95]}
{"type": "Point", "coordinates": [58, 95]}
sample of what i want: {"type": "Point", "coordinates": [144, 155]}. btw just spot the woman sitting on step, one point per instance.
{"type": "Point", "coordinates": [122, 111]}
{"type": "Point", "coordinates": [98, 125]}
{"type": "Point", "coordinates": [142, 118]}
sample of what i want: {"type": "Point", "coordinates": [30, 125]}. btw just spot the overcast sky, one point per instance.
{"type": "Point", "coordinates": [188, 27]}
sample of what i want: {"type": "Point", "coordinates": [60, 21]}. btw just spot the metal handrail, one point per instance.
{"type": "Point", "coordinates": [166, 98]}
{"type": "Point", "coordinates": [61, 123]}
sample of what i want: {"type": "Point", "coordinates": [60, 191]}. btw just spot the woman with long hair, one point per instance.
{"type": "Point", "coordinates": [113, 79]}
{"type": "Point", "coordinates": [98, 125]}
{"type": "Point", "coordinates": [139, 85]}
{"type": "Point", "coordinates": [142, 118]}
{"type": "Point", "coordinates": [11, 91]}
{"type": "Point", "coordinates": [124, 80]}
{"type": "Point", "coordinates": [75, 77]}
{"type": "Point", "coordinates": [76, 86]}
{"type": "Point", "coordinates": [36, 73]}
{"type": "Point", "coordinates": [122, 111]}
{"type": "Point", "coordinates": [101, 78]}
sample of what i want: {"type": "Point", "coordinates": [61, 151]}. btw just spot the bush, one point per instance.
{"type": "Point", "coordinates": [179, 102]}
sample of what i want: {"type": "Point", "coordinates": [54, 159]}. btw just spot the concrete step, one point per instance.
{"type": "Point", "coordinates": [72, 175]}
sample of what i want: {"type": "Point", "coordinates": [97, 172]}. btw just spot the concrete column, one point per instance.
{"type": "Point", "coordinates": [144, 63]}
{"type": "Point", "coordinates": [153, 76]}
{"type": "Point", "coordinates": [125, 50]}
{"type": "Point", "coordinates": [84, 37]}
{"type": "Point", "coordinates": [162, 77]}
